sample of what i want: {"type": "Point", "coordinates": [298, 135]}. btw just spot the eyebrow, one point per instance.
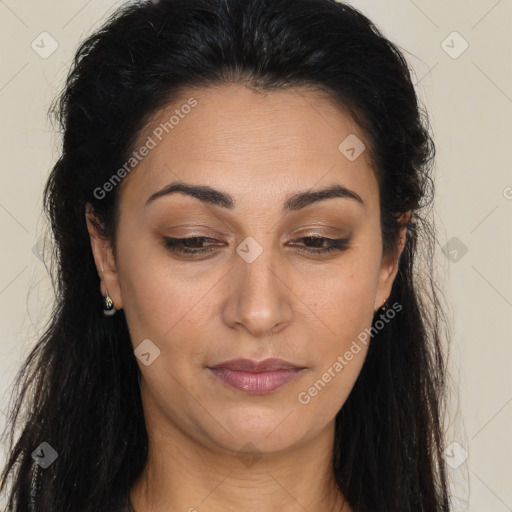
{"type": "Point", "coordinates": [296, 201]}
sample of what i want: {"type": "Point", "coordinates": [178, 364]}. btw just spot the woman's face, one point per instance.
{"type": "Point", "coordinates": [261, 288]}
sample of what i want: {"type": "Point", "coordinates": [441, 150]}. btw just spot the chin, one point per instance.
{"type": "Point", "coordinates": [268, 430]}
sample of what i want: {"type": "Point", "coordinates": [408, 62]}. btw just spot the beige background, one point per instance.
{"type": "Point", "coordinates": [469, 97]}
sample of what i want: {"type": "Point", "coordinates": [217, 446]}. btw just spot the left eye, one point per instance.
{"type": "Point", "coordinates": [194, 245]}
{"type": "Point", "coordinates": [334, 244]}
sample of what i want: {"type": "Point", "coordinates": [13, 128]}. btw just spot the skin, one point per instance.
{"type": "Point", "coordinates": [202, 310]}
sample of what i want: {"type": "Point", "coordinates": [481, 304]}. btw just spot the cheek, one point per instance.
{"type": "Point", "coordinates": [341, 340]}
{"type": "Point", "coordinates": [342, 297]}
{"type": "Point", "coordinates": [343, 314]}
{"type": "Point", "coordinates": [157, 299]}
{"type": "Point", "coordinates": [159, 306]}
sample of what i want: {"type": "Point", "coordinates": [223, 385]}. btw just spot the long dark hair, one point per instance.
{"type": "Point", "coordinates": [78, 389]}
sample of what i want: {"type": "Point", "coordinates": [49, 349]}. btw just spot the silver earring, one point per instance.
{"type": "Point", "coordinates": [108, 306]}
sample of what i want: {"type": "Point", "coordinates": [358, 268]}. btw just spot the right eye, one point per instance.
{"type": "Point", "coordinates": [191, 245]}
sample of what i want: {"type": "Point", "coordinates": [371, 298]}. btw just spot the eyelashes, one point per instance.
{"type": "Point", "coordinates": [188, 245]}
{"type": "Point", "coordinates": [194, 245]}
{"type": "Point", "coordinates": [333, 244]}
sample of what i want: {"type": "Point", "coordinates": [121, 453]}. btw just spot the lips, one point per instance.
{"type": "Point", "coordinates": [256, 377]}
{"type": "Point", "coordinates": [247, 365]}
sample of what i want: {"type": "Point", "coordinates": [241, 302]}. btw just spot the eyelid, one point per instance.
{"type": "Point", "coordinates": [198, 230]}
{"type": "Point", "coordinates": [322, 231]}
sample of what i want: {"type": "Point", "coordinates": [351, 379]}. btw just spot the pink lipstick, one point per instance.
{"type": "Point", "coordinates": [256, 377]}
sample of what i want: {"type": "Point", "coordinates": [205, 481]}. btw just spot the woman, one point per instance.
{"type": "Point", "coordinates": [243, 184]}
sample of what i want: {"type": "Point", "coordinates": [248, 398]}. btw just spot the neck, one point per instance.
{"type": "Point", "coordinates": [183, 475]}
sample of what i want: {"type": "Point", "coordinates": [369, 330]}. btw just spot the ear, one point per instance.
{"type": "Point", "coordinates": [389, 267]}
{"type": "Point", "coordinates": [103, 259]}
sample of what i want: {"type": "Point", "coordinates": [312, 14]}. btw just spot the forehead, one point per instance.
{"type": "Point", "coordinates": [251, 145]}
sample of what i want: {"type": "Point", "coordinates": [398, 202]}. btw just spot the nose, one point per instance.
{"type": "Point", "coordinates": [259, 299]}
